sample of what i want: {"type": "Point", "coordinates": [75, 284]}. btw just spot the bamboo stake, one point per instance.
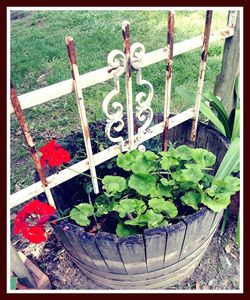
{"type": "Point", "coordinates": [82, 111]}
{"type": "Point", "coordinates": [209, 14]}
{"type": "Point", "coordinates": [19, 113]}
{"type": "Point", "coordinates": [170, 44]}
{"type": "Point", "coordinates": [128, 83]}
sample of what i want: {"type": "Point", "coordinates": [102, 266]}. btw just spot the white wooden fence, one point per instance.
{"type": "Point", "coordinates": [133, 58]}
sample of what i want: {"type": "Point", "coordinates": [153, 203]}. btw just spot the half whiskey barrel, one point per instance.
{"type": "Point", "coordinates": [160, 257]}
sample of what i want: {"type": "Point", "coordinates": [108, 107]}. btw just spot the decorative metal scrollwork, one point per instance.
{"type": "Point", "coordinates": [114, 119]}
{"type": "Point", "coordinates": [144, 111]}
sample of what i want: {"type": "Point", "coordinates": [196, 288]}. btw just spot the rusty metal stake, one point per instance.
{"type": "Point", "coordinates": [170, 44]}
{"type": "Point", "coordinates": [128, 83]}
{"type": "Point", "coordinates": [82, 111]}
{"type": "Point", "coordinates": [209, 14]}
{"type": "Point", "coordinates": [19, 113]}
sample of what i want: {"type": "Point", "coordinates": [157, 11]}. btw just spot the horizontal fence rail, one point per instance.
{"type": "Point", "coordinates": [66, 87]}
{"type": "Point", "coordinates": [100, 157]}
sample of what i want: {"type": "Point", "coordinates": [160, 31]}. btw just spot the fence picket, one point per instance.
{"type": "Point", "coordinates": [82, 111]}
{"type": "Point", "coordinates": [30, 143]}
{"type": "Point", "coordinates": [170, 44]}
{"type": "Point", "coordinates": [128, 83]}
{"type": "Point", "coordinates": [208, 22]}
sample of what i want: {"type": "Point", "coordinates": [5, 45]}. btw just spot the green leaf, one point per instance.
{"type": "Point", "coordinates": [207, 179]}
{"type": "Point", "coordinates": [142, 183]}
{"type": "Point", "coordinates": [203, 157]}
{"type": "Point", "coordinates": [137, 161]}
{"type": "Point", "coordinates": [219, 108]}
{"type": "Point", "coordinates": [160, 205]}
{"type": "Point", "coordinates": [167, 182]}
{"type": "Point", "coordinates": [170, 209]}
{"type": "Point", "coordinates": [192, 199]}
{"type": "Point", "coordinates": [13, 282]}
{"type": "Point", "coordinates": [184, 152]}
{"type": "Point", "coordinates": [214, 99]}
{"type": "Point", "coordinates": [209, 114]}
{"type": "Point", "coordinates": [236, 126]}
{"type": "Point", "coordinates": [168, 162]}
{"type": "Point", "coordinates": [216, 204]}
{"type": "Point", "coordinates": [150, 219]}
{"type": "Point", "coordinates": [229, 186]}
{"type": "Point", "coordinates": [81, 212]}
{"type": "Point", "coordinates": [156, 204]}
{"type": "Point", "coordinates": [102, 205]}
{"type": "Point", "coordinates": [205, 110]}
{"type": "Point", "coordinates": [192, 174]}
{"type": "Point", "coordinates": [150, 155]}
{"type": "Point", "coordinates": [164, 190]}
{"type": "Point", "coordinates": [142, 165]}
{"type": "Point", "coordinates": [113, 184]}
{"type": "Point", "coordinates": [230, 160]}
{"type": "Point", "coordinates": [123, 230]}
{"type": "Point", "coordinates": [129, 206]}
{"type": "Point", "coordinates": [125, 161]}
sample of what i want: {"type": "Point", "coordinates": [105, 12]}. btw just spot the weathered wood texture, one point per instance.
{"type": "Point", "coordinates": [224, 86]}
{"type": "Point", "coordinates": [18, 267]}
{"type": "Point", "coordinates": [160, 278]}
{"type": "Point", "coordinates": [158, 258]}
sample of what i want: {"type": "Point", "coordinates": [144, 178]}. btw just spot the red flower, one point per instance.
{"type": "Point", "coordinates": [54, 154]}
{"type": "Point", "coordinates": [30, 221]}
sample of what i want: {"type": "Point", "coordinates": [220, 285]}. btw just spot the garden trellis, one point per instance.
{"type": "Point", "coordinates": [132, 59]}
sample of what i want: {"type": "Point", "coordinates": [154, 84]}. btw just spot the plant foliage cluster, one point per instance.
{"type": "Point", "coordinates": [159, 189]}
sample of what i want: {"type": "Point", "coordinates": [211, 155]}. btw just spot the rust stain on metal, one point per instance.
{"type": "Point", "coordinates": [170, 46]}
{"type": "Point", "coordinates": [165, 137]}
{"type": "Point", "coordinates": [19, 113]}
{"type": "Point", "coordinates": [206, 35]}
{"type": "Point", "coordinates": [86, 132]}
{"type": "Point", "coordinates": [71, 50]}
{"type": "Point", "coordinates": [71, 53]}
{"type": "Point", "coordinates": [126, 47]}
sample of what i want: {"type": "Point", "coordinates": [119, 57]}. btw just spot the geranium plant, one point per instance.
{"type": "Point", "coordinates": [159, 189]}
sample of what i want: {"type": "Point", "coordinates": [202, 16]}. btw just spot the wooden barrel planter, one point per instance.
{"type": "Point", "coordinates": [158, 258]}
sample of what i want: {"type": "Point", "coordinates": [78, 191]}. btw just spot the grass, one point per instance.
{"type": "Point", "coordinates": [39, 58]}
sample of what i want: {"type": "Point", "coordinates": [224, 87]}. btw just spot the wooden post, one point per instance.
{"type": "Point", "coordinates": [82, 111]}
{"type": "Point", "coordinates": [128, 83]}
{"type": "Point", "coordinates": [170, 44]}
{"type": "Point", "coordinates": [18, 267]}
{"type": "Point", "coordinates": [209, 14]}
{"type": "Point", "coordinates": [19, 113]}
{"type": "Point", "coordinates": [224, 86]}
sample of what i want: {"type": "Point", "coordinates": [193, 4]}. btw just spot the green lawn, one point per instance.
{"type": "Point", "coordinates": [39, 58]}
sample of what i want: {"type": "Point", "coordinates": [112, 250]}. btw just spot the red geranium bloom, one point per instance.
{"type": "Point", "coordinates": [54, 154]}
{"type": "Point", "coordinates": [30, 221]}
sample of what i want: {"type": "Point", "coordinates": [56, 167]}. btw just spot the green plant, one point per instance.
{"type": "Point", "coordinates": [13, 283]}
{"type": "Point", "coordinates": [160, 188]}
{"type": "Point", "coordinates": [227, 124]}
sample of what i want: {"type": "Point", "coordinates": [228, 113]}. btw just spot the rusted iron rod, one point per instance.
{"type": "Point", "coordinates": [31, 146]}
{"type": "Point", "coordinates": [81, 110]}
{"type": "Point", "coordinates": [128, 82]}
{"type": "Point", "coordinates": [170, 44]}
{"type": "Point", "coordinates": [208, 22]}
